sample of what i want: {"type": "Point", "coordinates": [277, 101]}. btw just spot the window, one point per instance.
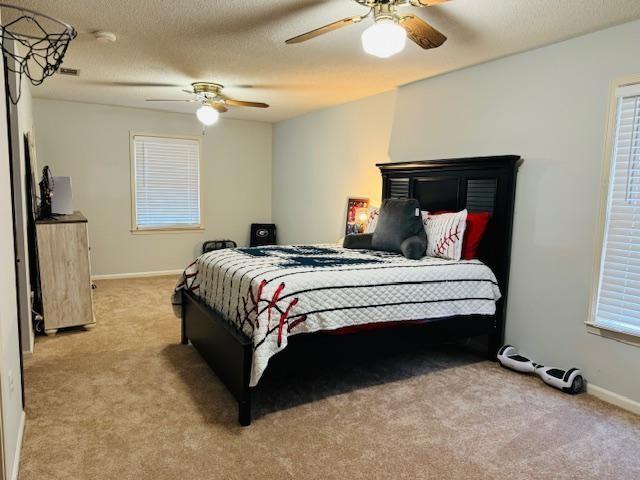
{"type": "Point", "coordinates": [166, 183]}
{"type": "Point", "coordinates": [618, 296]}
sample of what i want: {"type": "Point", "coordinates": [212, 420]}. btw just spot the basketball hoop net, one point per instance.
{"type": "Point", "coordinates": [33, 45]}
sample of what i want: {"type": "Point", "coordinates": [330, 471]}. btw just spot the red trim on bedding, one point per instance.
{"type": "Point", "coordinates": [296, 322]}
{"type": "Point", "coordinates": [283, 319]}
{"type": "Point", "coordinates": [273, 303]}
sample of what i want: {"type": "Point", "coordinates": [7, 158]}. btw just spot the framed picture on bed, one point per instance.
{"type": "Point", "coordinates": [354, 224]}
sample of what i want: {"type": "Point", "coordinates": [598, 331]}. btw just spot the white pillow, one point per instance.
{"type": "Point", "coordinates": [374, 213]}
{"type": "Point", "coordinates": [445, 233]}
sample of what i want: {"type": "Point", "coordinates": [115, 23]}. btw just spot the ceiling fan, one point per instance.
{"type": "Point", "coordinates": [213, 101]}
{"type": "Point", "coordinates": [387, 36]}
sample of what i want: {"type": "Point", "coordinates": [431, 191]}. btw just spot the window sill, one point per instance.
{"type": "Point", "coordinates": [150, 231]}
{"type": "Point", "coordinates": [613, 334]}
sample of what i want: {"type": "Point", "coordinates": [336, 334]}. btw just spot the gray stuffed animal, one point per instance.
{"type": "Point", "coordinates": [399, 229]}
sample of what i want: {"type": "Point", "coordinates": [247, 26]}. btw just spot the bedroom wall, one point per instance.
{"type": "Point", "coordinates": [324, 157]}
{"type": "Point", "coordinates": [91, 144]}
{"type": "Point", "coordinates": [549, 105]}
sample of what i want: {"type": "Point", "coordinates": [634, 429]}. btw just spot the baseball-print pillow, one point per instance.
{"type": "Point", "coordinates": [445, 233]}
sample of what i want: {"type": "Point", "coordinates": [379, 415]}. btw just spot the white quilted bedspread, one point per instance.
{"type": "Point", "coordinates": [271, 293]}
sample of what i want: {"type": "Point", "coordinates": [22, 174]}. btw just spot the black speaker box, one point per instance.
{"type": "Point", "coordinates": [263, 234]}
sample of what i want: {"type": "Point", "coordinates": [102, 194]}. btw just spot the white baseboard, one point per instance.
{"type": "Point", "coordinates": [115, 276]}
{"type": "Point", "coordinates": [29, 353]}
{"type": "Point", "coordinates": [16, 460]}
{"type": "Point", "coordinates": [613, 398]}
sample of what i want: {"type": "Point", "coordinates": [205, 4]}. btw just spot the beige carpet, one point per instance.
{"type": "Point", "coordinates": [126, 401]}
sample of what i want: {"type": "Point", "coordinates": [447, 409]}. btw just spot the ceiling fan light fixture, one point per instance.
{"type": "Point", "coordinates": [103, 36]}
{"type": "Point", "coordinates": [207, 115]}
{"type": "Point", "coordinates": [384, 38]}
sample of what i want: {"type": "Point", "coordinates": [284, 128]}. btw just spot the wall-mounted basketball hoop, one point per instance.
{"type": "Point", "coordinates": [33, 44]}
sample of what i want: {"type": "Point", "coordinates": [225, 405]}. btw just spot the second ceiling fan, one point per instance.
{"type": "Point", "coordinates": [387, 36]}
{"type": "Point", "coordinates": [213, 101]}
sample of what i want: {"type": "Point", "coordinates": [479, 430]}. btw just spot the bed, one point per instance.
{"type": "Point", "coordinates": [240, 307]}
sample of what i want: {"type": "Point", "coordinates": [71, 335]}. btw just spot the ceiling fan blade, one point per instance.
{"type": "Point", "coordinates": [132, 84]}
{"type": "Point", "coordinates": [322, 30]}
{"type": "Point", "coordinates": [190, 92]}
{"type": "Point", "coordinates": [421, 32]}
{"type": "Point", "coordinates": [219, 107]}
{"type": "Point", "coordinates": [427, 3]}
{"type": "Point", "coordinates": [167, 100]}
{"type": "Point", "coordinates": [240, 103]}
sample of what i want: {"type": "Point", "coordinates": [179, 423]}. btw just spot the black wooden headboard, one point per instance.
{"type": "Point", "coordinates": [477, 184]}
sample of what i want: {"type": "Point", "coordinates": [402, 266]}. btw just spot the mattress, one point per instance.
{"type": "Point", "coordinates": [271, 293]}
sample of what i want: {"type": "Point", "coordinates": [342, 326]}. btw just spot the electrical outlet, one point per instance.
{"type": "Point", "coordinates": [11, 386]}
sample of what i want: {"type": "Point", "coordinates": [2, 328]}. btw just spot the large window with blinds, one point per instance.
{"type": "Point", "coordinates": [166, 183]}
{"type": "Point", "coordinates": [618, 296]}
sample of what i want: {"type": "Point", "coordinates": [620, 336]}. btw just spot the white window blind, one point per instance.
{"type": "Point", "coordinates": [618, 306]}
{"type": "Point", "coordinates": [167, 182]}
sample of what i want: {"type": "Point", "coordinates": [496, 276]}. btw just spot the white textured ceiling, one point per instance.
{"type": "Point", "coordinates": [240, 43]}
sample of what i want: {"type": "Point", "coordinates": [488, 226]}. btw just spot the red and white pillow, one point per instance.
{"type": "Point", "coordinates": [445, 234]}
{"type": "Point", "coordinates": [472, 232]}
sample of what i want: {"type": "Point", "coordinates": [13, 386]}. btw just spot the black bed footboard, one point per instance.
{"type": "Point", "coordinates": [227, 351]}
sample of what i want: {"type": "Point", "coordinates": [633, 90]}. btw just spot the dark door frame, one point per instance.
{"type": "Point", "coordinates": [17, 214]}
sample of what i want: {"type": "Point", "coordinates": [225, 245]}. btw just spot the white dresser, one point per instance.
{"type": "Point", "coordinates": [65, 272]}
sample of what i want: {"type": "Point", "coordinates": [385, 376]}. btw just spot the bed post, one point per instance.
{"type": "Point", "coordinates": [227, 350]}
{"type": "Point", "coordinates": [243, 395]}
{"type": "Point", "coordinates": [496, 332]}
{"type": "Point", "coordinates": [183, 319]}
{"type": "Point", "coordinates": [244, 405]}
